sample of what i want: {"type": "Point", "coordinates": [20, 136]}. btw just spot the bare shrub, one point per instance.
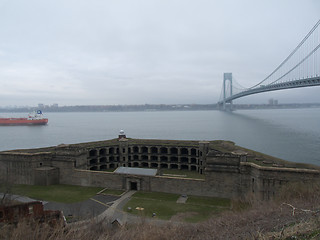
{"type": "Point", "coordinates": [257, 220]}
{"type": "Point", "coordinates": [6, 185]}
{"type": "Point", "coordinates": [300, 191]}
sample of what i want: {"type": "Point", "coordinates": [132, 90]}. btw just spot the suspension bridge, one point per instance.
{"type": "Point", "coordinates": [300, 69]}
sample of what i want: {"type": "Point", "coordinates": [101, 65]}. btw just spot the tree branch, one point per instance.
{"type": "Point", "coordinates": [294, 209]}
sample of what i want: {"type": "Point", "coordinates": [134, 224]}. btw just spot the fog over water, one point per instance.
{"type": "Point", "coordinates": [290, 134]}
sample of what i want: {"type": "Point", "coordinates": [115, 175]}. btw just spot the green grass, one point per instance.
{"type": "Point", "coordinates": [183, 173]}
{"type": "Point", "coordinates": [109, 170]}
{"type": "Point", "coordinates": [56, 193]}
{"type": "Point", "coordinates": [315, 234]}
{"type": "Point", "coordinates": [112, 192]}
{"type": "Point", "coordinates": [221, 202]}
{"type": "Point", "coordinates": [196, 209]}
{"type": "Point", "coordinates": [157, 196]}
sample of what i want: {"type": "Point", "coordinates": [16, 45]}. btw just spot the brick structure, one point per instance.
{"type": "Point", "coordinates": [31, 210]}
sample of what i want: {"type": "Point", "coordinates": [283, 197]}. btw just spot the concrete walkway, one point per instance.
{"type": "Point", "coordinates": [115, 210]}
{"type": "Point", "coordinates": [86, 209]}
{"type": "Point", "coordinates": [103, 208]}
{"type": "Point", "coordinates": [182, 199]}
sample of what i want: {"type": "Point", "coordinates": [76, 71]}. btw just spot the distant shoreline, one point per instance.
{"type": "Point", "coordinates": [156, 107]}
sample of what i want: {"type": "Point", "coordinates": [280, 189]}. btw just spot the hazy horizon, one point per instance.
{"type": "Point", "coordinates": [146, 52]}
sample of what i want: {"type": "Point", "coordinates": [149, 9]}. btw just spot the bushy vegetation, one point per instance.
{"type": "Point", "coordinates": [294, 214]}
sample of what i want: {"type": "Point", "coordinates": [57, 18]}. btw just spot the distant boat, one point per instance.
{"type": "Point", "coordinates": [35, 118]}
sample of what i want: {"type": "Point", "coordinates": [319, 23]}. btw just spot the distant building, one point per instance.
{"type": "Point", "coordinates": [40, 105]}
{"type": "Point", "coordinates": [270, 101]}
{"type": "Point", "coordinates": [32, 210]}
{"type": "Point", "coordinates": [273, 102]}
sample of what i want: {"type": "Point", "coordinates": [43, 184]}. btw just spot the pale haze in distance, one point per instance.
{"type": "Point", "coordinates": [101, 52]}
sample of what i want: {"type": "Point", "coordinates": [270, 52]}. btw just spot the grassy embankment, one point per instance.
{"type": "Point", "coordinates": [56, 193]}
{"type": "Point", "coordinates": [165, 206]}
{"type": "Point", "coordinates": [181, 173]}
{"type": "Point", "coordinates": [174, 173]}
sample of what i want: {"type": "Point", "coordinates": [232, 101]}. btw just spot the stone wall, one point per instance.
{"type": "Point", "coordinates": [95, 178]}
{"type": "Point", "coordinates": [46, 176]}
{"type": "Point", "coordinates": [18, 168]}
{"type": "Point", "coordinates": [216, 184]}
{"type": "Point", "coordinates": [267, 181]}
{"type": "Point", "coordinates": [148, 155]}
{"type": "Point", "coordinates": [145, 183]}
{"type": "Point", "coordinates": [227, 175]}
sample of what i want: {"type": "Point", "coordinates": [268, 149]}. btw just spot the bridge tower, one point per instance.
{"type": "Point", "coordinates": [227, 77]}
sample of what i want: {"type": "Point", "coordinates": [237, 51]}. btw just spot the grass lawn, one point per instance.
{"type": "Point", "coordinates": [221, 202]}
{"type": "Point", "coordinates": [112, 192]}
{"type": "Point", "coordinates": [109, 170]}
{"type": "Point", "coordinates": [56, 193]}
{"type": "Point", "coordinates": [182, 173]}
{"type": "Point", "coordinates": [196, 209]}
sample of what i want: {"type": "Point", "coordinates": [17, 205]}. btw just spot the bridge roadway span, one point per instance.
{"type": "Point", "coordinates": [309, 82]}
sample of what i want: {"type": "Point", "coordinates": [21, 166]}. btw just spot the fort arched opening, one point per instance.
{"type": "Point", "coordinates": [228, 172]}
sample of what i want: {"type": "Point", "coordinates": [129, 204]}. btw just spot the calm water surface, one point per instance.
{"type": "Point", "coordinates": [290, 134]}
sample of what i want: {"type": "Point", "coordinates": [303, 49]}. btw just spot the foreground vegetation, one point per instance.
{"type": "Point", "coordinates": [294, 214]}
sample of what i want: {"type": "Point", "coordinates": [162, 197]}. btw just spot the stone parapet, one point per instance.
{"type": "Point", "coordinates": [227, 174]}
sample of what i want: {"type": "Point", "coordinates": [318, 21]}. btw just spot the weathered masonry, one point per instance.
{"type": "Point", "coordinates": [226, 173]}
{"type": "Point", "coordinates": [151, 155]}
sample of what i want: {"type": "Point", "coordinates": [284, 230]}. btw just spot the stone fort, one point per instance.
{"type": "Point", "coordinates": [221, 172]}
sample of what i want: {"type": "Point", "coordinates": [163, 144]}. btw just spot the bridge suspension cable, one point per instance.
{"type": "Point", "coordinates": [237, 85]}
{"type": "Point", "coordinates": [300, 46]}
{"type": "Point", "coordinates": [236, 88]}
{"type": "Point", "coordinates": [300, 69]}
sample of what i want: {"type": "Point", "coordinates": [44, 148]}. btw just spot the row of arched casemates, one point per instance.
{"type": "Point", "coordinates": [182, 158]}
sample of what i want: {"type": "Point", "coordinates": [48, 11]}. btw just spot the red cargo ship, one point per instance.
{"type": "Point", "coordinates": [34, 119]}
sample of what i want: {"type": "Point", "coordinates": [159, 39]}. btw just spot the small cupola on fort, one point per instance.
{"type": "Point", "coordinates": [122, 135]}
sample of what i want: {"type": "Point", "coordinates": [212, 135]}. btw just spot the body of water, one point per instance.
{"type": "Point", "coordinates": [290, 134]}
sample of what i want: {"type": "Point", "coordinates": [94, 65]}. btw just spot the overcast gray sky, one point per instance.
{"type": "Point", "coordinates": [84, 52]}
